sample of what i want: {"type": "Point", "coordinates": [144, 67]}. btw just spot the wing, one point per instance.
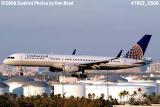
{"type": "Point", "coordinates": [96, 64]}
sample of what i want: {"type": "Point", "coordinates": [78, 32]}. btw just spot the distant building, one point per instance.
{"type": "Point", "coordinates": [154, 67]}
{"type": "Point", "coordinates": [63, 79]}
{"type": "Point", "coordinates": [35, 88]}
{"type": "Point", "coordinates": [16, 83]}
{"type": "Point", "coordinates": [4, 88]}
{"type": "Point", "coordinates": [110, 89]}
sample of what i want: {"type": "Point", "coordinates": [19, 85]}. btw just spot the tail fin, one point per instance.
{"type": "Point", "coordinates": [138, 50]}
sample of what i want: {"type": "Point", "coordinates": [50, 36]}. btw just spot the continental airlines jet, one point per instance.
{"type": "Point", "coordinates": [74, 63]}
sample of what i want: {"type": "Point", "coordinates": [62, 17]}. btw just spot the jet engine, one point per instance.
{"type": "Point", "coordinates": [70, 68]}
{"type": "Point", "coordinates": [65, 68]}
{"type": "Point", "coordinates": [52, 69]}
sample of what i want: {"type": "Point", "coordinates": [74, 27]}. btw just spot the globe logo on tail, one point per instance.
{"type": "Point", "coordinates": [135, 53]}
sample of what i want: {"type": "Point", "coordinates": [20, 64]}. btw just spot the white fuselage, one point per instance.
{"type": "Point", "coordinates": [58, 61]}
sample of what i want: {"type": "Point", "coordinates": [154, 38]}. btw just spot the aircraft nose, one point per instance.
{"type": "Point", "coordinates": [4, 61]}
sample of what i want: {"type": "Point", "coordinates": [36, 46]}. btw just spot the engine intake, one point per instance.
{"type": "Point", "coordinates": [70, 68]}
{"type": "Point", "coordinates": [52, 69]}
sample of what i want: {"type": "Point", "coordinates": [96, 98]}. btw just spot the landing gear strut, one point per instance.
{"type": "Point", "coordinates": [82, 75]}
{"type": "Point", "coordinates": [20, 70]}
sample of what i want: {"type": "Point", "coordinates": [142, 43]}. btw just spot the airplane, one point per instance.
{"type": "Point", "coordinates": [77, 63]}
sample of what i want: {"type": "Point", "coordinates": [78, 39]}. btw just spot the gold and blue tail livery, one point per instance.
{"type": "Point", "coordinates": [138, 50]}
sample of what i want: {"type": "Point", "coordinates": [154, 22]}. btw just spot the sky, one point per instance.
{"type": "Point", "coordinates": [93, 27]}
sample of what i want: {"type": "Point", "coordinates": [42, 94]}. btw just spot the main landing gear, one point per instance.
{"type": "Point", "coordinates": [82, 76]}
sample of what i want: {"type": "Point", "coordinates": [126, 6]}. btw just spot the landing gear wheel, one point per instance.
{"type": "Point", "coordinates": [21, 74]}
{"type": "Point", "coordinates": [83, 75]}
{"type": "Point", "coordinates": [75, 75]}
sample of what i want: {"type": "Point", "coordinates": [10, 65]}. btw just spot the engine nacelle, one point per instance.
{"type": "Point", "coordinates": [71, 68]}
{"type": "Point", "coordinates": [52, 69]}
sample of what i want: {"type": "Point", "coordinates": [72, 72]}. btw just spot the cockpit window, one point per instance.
{"type": "Point", "coordinates": [10, 57]}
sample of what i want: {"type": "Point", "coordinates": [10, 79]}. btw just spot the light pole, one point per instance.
{"type": "Point", "coordinates": [107, 86]}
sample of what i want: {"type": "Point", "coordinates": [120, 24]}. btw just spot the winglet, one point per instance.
{"type": "Point", "coordinates": [74, 52]}
{"type": "Point", "coordinates": [119, 54]}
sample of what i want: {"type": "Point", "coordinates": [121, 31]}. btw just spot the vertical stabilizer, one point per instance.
{"type": "Point", "coordinates": [138, 50]}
